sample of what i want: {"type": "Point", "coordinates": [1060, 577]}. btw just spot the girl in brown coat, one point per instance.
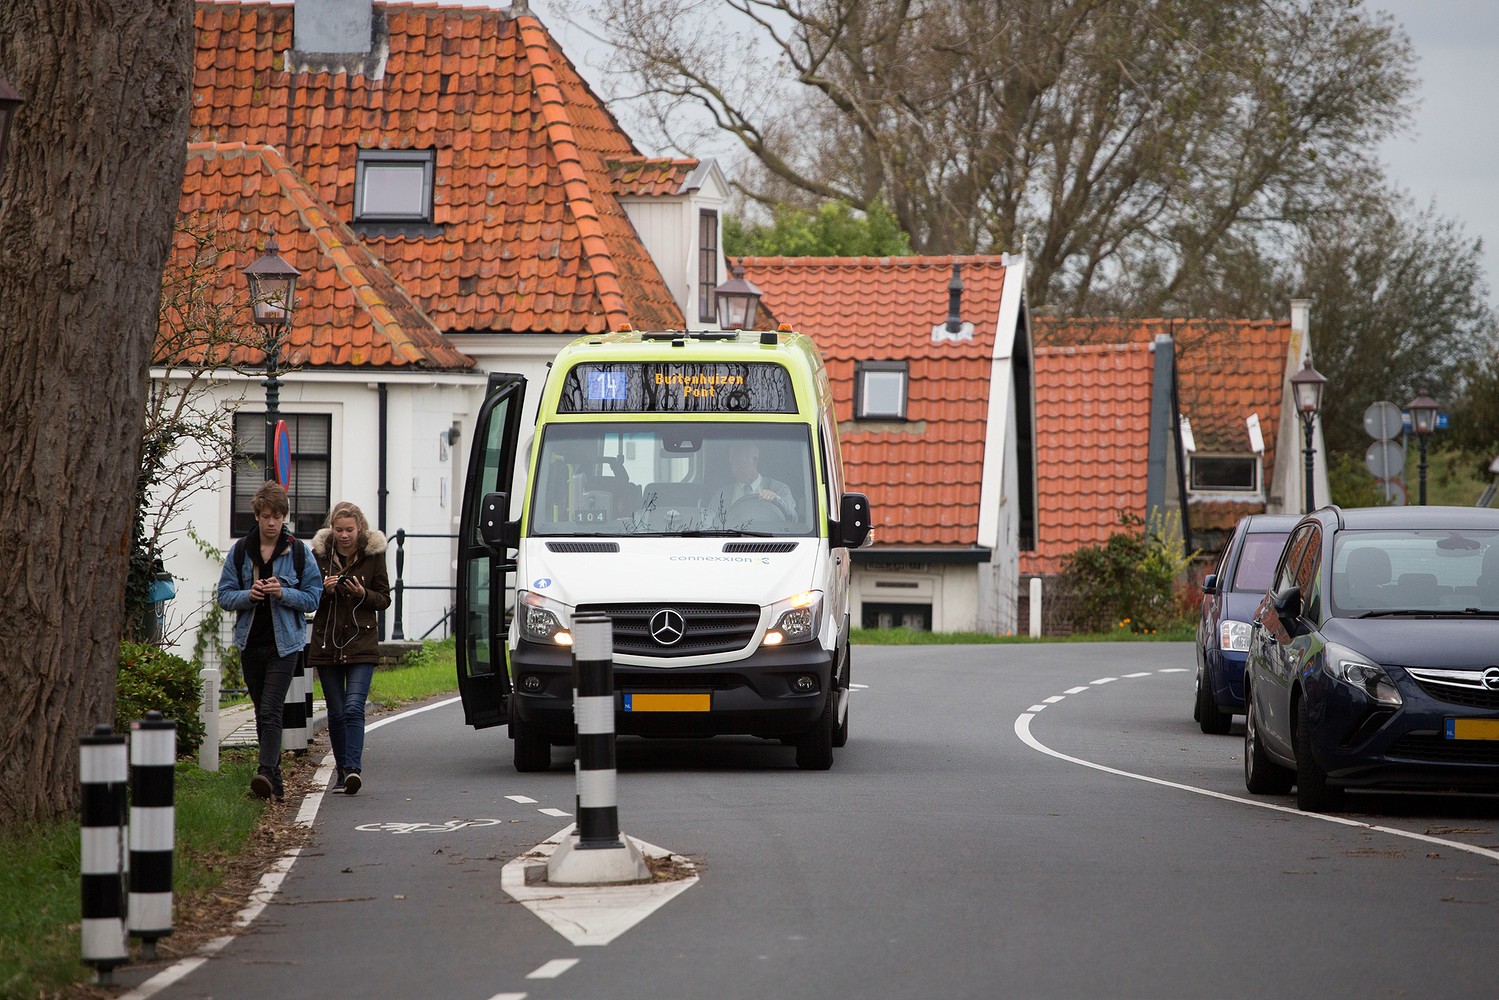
{"type": "Point", "coordinates": [345, 635]}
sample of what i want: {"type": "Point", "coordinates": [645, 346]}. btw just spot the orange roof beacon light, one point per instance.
{"type": "Point", "coordinates": [738, 301]}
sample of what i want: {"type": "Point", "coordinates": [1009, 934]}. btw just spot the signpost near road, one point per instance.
{"type": "Point", "coordinates": [1386, 456]}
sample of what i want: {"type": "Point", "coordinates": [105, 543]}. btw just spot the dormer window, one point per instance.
{"type": "Point", "coordinates": [1225, 473]}
{"type": "Point", "coordinates": [393, 185]}
{"type": "Point", "coordinates": [880, 390]}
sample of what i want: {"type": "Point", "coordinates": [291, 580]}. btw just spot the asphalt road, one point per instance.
{"type": "Point", "coordinates": [1009, 821]}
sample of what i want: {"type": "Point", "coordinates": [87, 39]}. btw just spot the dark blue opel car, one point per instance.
{"type": "Point", "coordinates": [1374, 658]}
{"type": "Point", "coordinates": [1229, 596]}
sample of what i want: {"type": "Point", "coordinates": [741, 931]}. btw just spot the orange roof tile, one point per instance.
{"type": "Point", "coordinates": [350, 311]}
{"type": "Point", "coordinates": [1226, 370]}
{"type": "Point", "coordinates": [1092, 435]}
{"type": "Point", "coordinates": [651, 176]}
{"type": "Point", "coordinates": [520, 141]}
{"type": "Point", "coordinates": [923, 476]}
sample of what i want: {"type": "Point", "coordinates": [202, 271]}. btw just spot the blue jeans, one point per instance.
{"type": "Point", "coordinates": [268, 676]}
{"type": "Point", "coordinates": [345, 690]}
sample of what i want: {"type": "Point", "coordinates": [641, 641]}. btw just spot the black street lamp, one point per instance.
{"type": "Point", "coordinates": [1307, 385]}
{"type": "Point", "coordinates": [273, 288]}
{"type": "Point", "coordinates": [738, 301]}
{"type": "Point", "coordinates": [1423, 410]}
{"type": "Point", "coordinates": [10, 103]}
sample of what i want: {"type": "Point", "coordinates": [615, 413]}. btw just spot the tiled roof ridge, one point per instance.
{"type": "Point", "coordinates": [913, 260]}
{"type": "Point", "coordinates": [1067, 349]}
{"type": "Point", "coordinates": [338, 243]}
{"type": "Point", "coordinates": [579, 193]}
{"type": "Point", "coordinates": [1129, 322]}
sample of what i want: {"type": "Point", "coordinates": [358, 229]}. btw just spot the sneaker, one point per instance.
{"type": "Point", "coordinates": [352, 782]}
{"type": "Point", "coordinates": [261, 786]}
{"type": "Point", "coordinates": [338, 784]}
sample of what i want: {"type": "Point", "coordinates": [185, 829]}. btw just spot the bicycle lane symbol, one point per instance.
{"type": "Point", "coordinates": [447, 827]}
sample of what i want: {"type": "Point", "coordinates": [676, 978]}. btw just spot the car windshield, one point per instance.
{"type": "Point", "coordinates": [674, 478]}
{"type": "Point", "coordinates": [1415, 570]}
{"type": "Point", "coordinates": [1257, 561]}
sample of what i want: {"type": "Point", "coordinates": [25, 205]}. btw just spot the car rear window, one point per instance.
{"type": "Point", "coordinates": [1257, 561]}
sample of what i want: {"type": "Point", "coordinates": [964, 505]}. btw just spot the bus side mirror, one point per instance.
{"type": "Point", "coordinates": [852, 527]}
{"type": "Point", "coordinates": [498, 534]}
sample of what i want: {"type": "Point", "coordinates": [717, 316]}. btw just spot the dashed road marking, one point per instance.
{"type": "Point", "coordinates": [1076, 690]}
{"type": "Point", "coordinates": [552, 969]}
{"type": "Point", "coordinates": [553, 812]}
{"type": "Point", "coordinates": [1104, 680]}
{"type": "Point", "coordinates": [524, 800]}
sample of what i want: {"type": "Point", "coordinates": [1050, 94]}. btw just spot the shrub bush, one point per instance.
{"type": "Point", "coordinates": [1130, 580]}
{"type": "Point", "coordinates": [151, 679]}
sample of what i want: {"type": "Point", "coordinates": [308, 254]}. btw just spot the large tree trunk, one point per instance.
{"type": "Point", "coordinates": [88, 193]}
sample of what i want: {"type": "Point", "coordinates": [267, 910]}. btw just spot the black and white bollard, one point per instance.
{"type": "Point", "coordinates": [294, 717]}
{"type": "Point", "coordinates": [102, 768]}
{"type": "Point", "coordinates": [595, 852]}
{"type": "Point", "coordinates": [153, 761]}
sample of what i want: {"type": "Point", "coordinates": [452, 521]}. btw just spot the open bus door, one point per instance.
{"type": "Point", "coordinates": [484, 559]}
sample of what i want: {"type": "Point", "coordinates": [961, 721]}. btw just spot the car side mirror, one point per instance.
{"type": "Point", "coordinates": [497, 533]}
{"type": "Point", "coordinates": [1288, 608]}
{"type": "Point", "coordinates": [852, 527]}
{"type": "Point", "coordinates": [1210, 584]}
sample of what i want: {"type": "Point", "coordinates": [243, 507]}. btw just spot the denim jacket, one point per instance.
{"type": "Point", "coordinates": [288, 615]}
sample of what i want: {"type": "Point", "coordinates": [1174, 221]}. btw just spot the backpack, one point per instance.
{"type": "Point", "coordinates": [298, 557]}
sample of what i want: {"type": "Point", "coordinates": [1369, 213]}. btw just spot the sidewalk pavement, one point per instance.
{"type": "Point", "coordinates": [237, 724]}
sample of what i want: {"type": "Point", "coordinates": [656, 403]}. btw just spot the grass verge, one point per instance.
{"type": "Point", "coordinates": [216, 819]}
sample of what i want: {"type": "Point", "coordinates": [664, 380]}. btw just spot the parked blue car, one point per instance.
{"type": "Point", "coordinates": [1374, 657]}
{"type": "Point", "coordinates": [1229, 596]}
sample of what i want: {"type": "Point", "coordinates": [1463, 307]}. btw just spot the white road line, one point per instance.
{"type": "Point", "coordinates": [524, 800]}
{"type": "Point", "coordinates": [1172, 670]}
{"type": "Point", "coordinates": [1104, 680]}
{"type": "Point", "coordinates": [270, 882]}
{"type": "Point", "coordinates": [508, 996]}
{"type": "Point", "coordinates": [1023, 730]}
{"type": "Point", "coordinates": [553, 969]}
{"type": "Point", "coordinates": [1076, 690]}
{"type": "Point", "coordinates": [1143, 673]}
{"type": "Point", "coordinates": [1036, 708]}
{"type": "Point", "coordinates": [1056, 698]}
{"type": "Point", "coordinates": [553, 812]}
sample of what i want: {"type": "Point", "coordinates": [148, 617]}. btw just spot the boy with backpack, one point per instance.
{"type": "Point", "coordinates": [271, 582]}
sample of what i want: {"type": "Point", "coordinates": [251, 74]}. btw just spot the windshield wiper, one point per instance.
{"type": "Point", "coordinates": [724, 533]}
{"type": "Point", "coordinates": [1431, 613]}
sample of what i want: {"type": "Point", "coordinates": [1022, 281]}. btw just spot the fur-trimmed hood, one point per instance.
{"type": "Point", "coordinates": [322, 543]}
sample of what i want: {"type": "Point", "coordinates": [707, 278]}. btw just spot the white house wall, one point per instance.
{"type": "Point", "coordinates": [952, 591]}
{"type": "Point", "coordinates": [422, 493]}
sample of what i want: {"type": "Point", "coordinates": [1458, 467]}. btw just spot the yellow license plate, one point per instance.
{"type": "Point", "coordinates": [668, 702]}
{"type": "Point", "coordinates": [1473, 729]}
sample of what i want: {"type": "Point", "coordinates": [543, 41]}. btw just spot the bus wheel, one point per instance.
{"type": "Point", "coordinates": [814, 751]}
{"type": "Point", "coordinates": [532, 752]}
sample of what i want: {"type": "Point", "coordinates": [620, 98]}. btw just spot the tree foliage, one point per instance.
{"type": "Point", "coordinates": [832, 229]}
{"type": "Point", "coordinates": [1137, 150]}
{"type": "Point", "coordinates": [87, 197]}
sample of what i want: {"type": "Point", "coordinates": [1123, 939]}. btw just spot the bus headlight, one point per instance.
{"type": "Point", "coordinates": [795, 619]}
{"type": "Point", "coordinates": [541, 619]}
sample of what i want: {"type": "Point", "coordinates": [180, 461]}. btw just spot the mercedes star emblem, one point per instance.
{"type": "Point", "coordinates": [668, 627]}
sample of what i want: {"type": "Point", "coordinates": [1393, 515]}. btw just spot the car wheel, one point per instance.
{"type": "Point", "coordinates": [1208, 717]}
{"type": "Point", "coordinates": [532, 752]}
{"type": "Point", "coordinates": [1313, 793]}
{"type": "Point", "coordinates": [814, 751]}
{"type": "Point", "coordinates": [1262, 776]}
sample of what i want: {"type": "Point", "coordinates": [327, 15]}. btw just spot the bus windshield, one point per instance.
{"type": "Point", "coordinates": [674, 478]}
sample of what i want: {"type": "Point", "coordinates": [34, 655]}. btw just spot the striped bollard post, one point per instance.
{"type": "Point", "coordinates": [102, 767]}
{"type": "Point", "coordinates": [596, 852]}
{"type": "Point", "coordinates": [153, 762]}
{"type": "Point", "coordinates": [294, 710]}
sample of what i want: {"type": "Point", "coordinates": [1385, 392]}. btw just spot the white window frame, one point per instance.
{"type": "Point", "coordinates": [1253, 458]}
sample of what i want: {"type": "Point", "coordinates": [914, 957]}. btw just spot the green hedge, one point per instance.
{"type": "Point", "coordinates": [152, 679]}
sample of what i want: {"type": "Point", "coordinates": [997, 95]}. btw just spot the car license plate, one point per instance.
{"type": "Point", "coordinates": [1473, 729]}
{"type": "Point", "coordinates": [667, 702]}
